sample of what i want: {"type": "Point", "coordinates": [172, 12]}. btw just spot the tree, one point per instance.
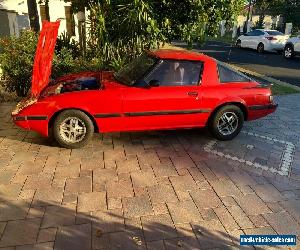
{"type": "Point", "coordinates": [33, 15]}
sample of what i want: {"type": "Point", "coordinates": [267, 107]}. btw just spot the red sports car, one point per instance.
{"type": "Point", "coordinates": [162, 89]}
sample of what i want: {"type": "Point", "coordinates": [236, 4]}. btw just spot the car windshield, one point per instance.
{"type": "Point", "coordinates": [274, 33]}
{"type": "Point", "coordinates": [135, 70]}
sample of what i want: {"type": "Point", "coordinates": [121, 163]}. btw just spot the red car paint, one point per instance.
{"type": "Point", "coordinates": [117, 107]}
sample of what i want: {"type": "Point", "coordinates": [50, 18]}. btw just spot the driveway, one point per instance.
{"type": "Point", "coordinates": [152, 190]}
{"type": "Point", "coordinates": [268, 64]}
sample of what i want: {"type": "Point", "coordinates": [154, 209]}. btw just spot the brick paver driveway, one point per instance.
{"type": "Point", "coordinates": [158, 190]}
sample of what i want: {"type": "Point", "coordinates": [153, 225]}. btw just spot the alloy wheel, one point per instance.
{"type": "Point", "coordinates": [228, 123]}
{"type": "Point", "coordinates": [288, 52]}
{"type": "Point", "coordinates": [72, 130]}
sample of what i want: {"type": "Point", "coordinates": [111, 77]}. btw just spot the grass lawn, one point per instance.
{"type": "Point", "coordinates": [283, 90]}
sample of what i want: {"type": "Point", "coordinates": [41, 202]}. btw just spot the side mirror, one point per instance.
{"type": "Point", "coordinates": [154, 83]}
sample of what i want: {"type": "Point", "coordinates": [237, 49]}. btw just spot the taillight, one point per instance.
{"type": "Point", "coordinates": [271, 38]}
{"type": "Point", "coordinates": [271, 98]}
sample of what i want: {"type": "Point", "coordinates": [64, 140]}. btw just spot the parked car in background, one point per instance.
{"type": "Point", "coordinates": [263, 40]}
{"type": "Point", "coordinates": [292, 47]}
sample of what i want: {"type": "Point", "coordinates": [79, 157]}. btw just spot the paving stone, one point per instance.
{"type": "Point", "coordinates": [283, 223]}
{"type": "Point", "coordinates": [56, 216]}
{"type": "Point", "coordinates": [184, 212]}
{"type": "Point", "coordinates": [30, 167]}
{"type": "Point", "coordinates": [127, 240]}
{"type": "Point", "coordinates": [275, 207]}
{"type": "Point", "coordinates": [75, 237]}
{"type": "Point", "coordinates": [88, 202]}
{"type": "Point", "coordinates": [158, 227]}
{"type": "Point", "coordinates": [156, 245]}
{"type": "Point", "coordinates": [293, 207]}
{"type": "Point", "coordinates": [206, 199]}
{"type": "Point", "coordinates": [211, 234]}
{"type": "Point", "coordinates": [38, 181]}
{"type": "Point", "coordinates": [47, 234]}
{"type": "Point", "coordinates": [268, 193]}
{"type": "Point", "coordinates": [70, 198]}
{"type": "Point", "coordinates": [227, 220]}
{"type": "Point", "coordinates": [114, 203]}
{"type": "Point", "coordinates": [133, 224]}
{"type": "Point", "coordinates": [9, 192]}
{"type": "Point", "coordinates": [183, 162]}
{"type": "Point", "coordinates": [143, 178]}
{"type": "Point", "coordinates": [225, 188]}
{"type": "Point", "coordinates": [162, 193]}
{"type": "Point", "coordinates": [228, 201]}
{"type": "Point", "coordinates": [208, 214]}
{"type": "Point", "coordinates": [252, 204]}
{"type": "Point", "coordinates": [108, 221]}
{"type": "Point", "coordinates": [7, 174]}
{"type": "Point", "coordinates": [39, 246]}
{"type": "Point", "coordinates": [149, 159]}
{"type": "Point", "coordinates": [160, 208]}
{"type": "Point", "coordinates": [260, 231]}
{"type": "Point", "coordinates": [2, 227]}
{"type": "Point", "coordinates": [103, 176]}
{"type": "Point", "coordinates": [14, 210]}
{"type": "Point", "coordinates": [164, 170]}
{"type": "Point", "coordinates": [36, 212]}
{"type": "Point", "coordinates": [48, 196]}
{"type": "Point", "coordinates": [68, 171]}
{"type": "Point", "coordinates": [259, 221]}
{"type": "Point", "coordinates": [182, 243]}
{"type": "Point", "coordinates": [119, 189]}
{"type": "Point", "coordinates": [128, 166]}
{"type": "Point", "coordinates": [182, 185]}
{"type": "Point", "coordinates": [20, 232]}
{"type": "Point", "coordinates": [78, 185]}
{"type": "Point", "coordinates": [240, 217]}
{"type": "Point", "coordinates": [137, 206]}
{"type": "Point", "coordinates": [241, 178]}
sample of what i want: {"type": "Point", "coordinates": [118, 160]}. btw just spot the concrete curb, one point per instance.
{"type": "Point", "coordinates": [266, 78]}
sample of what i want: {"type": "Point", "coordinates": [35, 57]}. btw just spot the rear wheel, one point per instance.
{"type": "Point", "coordinates": [227, 123]}
{"type": "Point", "coordinates": [289, 52]}
{"type": "Point", "coordinates": [238, 44]}
{"type": "Point", "coordinates": [73, 129]}
{"type": "Point", "coordinates": [260, 48]}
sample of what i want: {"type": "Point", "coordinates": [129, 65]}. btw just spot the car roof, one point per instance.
{"type": "Point", "coordinates": [179, 54]}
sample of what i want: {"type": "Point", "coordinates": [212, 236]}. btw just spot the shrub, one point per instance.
{"type": "Point", "coordinates": [16, 60]}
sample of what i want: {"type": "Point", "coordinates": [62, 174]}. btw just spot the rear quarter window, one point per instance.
{"type": "Point", "coordinates": [227, 75]}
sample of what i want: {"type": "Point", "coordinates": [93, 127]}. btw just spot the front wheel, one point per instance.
{"type": "Point", "coordinates": [73, 129]}
{"type": "Point", "coordinates": [227, 123]}
{"type": "Point", "coordinates": [238, 44]}
{"type": "Point", "coordinates": [260, 48]}
{"type": "Point", "coordinates": [289, 52]}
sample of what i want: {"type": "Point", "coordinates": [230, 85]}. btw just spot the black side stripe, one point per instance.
{"type": "Point", "coordinates": [31, 118]}
{"type": "Point", "coordinates": [107, 115]}
{"type": "Point", "coordinates": [170, 112]}
{"type": "Point", "coordinates": [262, 107]}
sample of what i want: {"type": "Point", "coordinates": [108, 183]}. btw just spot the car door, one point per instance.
{"type": "Point", "coordinates": [297, 44]}
{"type": "Point", "coordinates": [247, 39]}
{"type": "Point", "coordinates": [255, 39]}
{"type": "Point", "coordinates": [174, 102]}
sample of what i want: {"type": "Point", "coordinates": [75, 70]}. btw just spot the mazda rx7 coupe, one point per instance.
{"type": "Point", "coordinates": [160, 90]}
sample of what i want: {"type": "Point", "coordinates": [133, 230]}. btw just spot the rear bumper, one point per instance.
{"type": "Point", "coordinates": [259, 111]}
{"type": "Point", "coordinates": [36, 123]}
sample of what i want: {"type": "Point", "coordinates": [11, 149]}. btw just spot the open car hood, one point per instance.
{"type": "Point", "coordinates": [42, 64]}
{"type": "Point", "coordinates": [43, 57]}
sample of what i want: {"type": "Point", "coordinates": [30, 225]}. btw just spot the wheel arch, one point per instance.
{"type": "Point", "coordinates": [238, 104]}
{"type": "Point", "coordinates": [53, 117]}
{"type": "Point", "coordinates": [289, 44]}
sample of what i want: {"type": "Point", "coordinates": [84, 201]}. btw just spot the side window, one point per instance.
{"type": "Point", "coordinates": [176, 73]}
{"type": "Point", "coordinates": [228, 75]}
{"type": "Point", "coordinates": [251, 33]}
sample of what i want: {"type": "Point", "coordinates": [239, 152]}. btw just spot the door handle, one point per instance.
{"type": "Point", "coordinates": [193, 94]}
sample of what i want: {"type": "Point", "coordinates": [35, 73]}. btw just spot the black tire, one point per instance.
{"type": "Point", "coordinates": [84, 123]}
{"type": "Point", "coordinates": [238, 44]}
{"type": "Point", "coordinates": [289, 52]}
{"type": "Point", "coordinates": [215, 122]}
{"type": "Point", "coordinates": [260, 48]}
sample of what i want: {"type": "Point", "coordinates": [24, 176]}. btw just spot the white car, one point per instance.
{"type": "Point", "coordinates": [263, 40]}
{"type": "Point", "coordinates": [292, 47]}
